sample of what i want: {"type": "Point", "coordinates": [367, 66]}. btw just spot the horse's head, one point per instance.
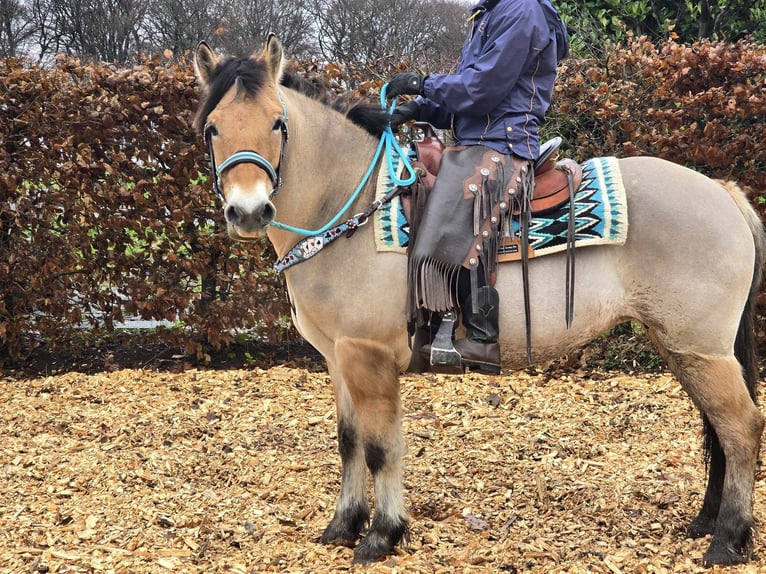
{"type": "Point", "coordinates": [243, 121]}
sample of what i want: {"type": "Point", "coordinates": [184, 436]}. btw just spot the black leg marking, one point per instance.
{"type": "Point", "coordinates": [732, 540]}
{"type": "Point", "coordinates": [346, 440]}
{"type": "Point", "coordinates": [374, 456]}
{"type": "Point", "coordinates": [346, 524]}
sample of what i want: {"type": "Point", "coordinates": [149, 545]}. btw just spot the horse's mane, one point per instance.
{"type": "Point", "coordinates": [250, 76]}
{"type": "Point", "coordinates": [364, 114]}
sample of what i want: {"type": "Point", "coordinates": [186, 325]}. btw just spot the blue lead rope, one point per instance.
{"type": "Point", "coordinates": [391, 146]}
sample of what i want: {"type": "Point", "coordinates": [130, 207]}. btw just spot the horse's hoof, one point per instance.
{"type": "Point", "coordinates": [345, 532]}
{"type": "Point", "coordinates": [372, 548]}
{"type": "Point", "coordinates": [333, 539]}
{"type": "Point", "coordinates": [701, 527]}
{"type": "Point", "coordinates": [381, 539]}
{"type": "Point", "coordinates": [723, 554]}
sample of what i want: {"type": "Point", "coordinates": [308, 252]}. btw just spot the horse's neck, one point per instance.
{"type": "Point", "coordinates": [327, 157]}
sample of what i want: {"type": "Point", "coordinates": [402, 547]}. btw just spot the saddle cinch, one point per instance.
{"type": "Point", "coordinates": [552, 187]}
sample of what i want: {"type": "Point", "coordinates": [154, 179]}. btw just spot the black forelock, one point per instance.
{"type": "Point", "coordinates": [250, 72]}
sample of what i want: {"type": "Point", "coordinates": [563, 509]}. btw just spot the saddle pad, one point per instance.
{"type": "Point", "coordinates": [601, 214]}
{"type": "Point", "coordinates": [392, 231]}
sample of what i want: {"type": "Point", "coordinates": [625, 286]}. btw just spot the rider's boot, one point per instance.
{"type": "Point", "coordinates": [480, 350]}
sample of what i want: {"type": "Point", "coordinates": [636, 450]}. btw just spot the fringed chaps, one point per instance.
{"type": "Point", "coordinates": [468, 210]}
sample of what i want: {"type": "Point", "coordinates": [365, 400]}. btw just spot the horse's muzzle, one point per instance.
{"type": "Point", "coordinates": [244, 224]}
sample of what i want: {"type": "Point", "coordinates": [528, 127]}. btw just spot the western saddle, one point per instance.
{"type": "Point", "coordinates": [551, 175]}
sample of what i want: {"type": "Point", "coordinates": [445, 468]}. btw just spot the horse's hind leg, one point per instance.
{"type": "Point", "coordinates": [717, 387]}
{"type": "Point", "coordinates": [371, 375]}
{"type": "Point", "coordinates": [352, 511]}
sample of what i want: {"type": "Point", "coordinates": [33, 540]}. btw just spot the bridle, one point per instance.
{"type": "Point", "coordinates": [250, 156]}
{"type": "Point", "coordinates": [387, 147]}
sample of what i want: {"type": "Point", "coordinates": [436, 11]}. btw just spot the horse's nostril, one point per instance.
{"type": "Point", "coordinates": [232, 214]}
{"type": "Point", "coordinates": [268, 213]}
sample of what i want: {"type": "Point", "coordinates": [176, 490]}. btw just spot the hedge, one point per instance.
{"type": "Point", "coordinates": [106, 209]}
{"type": "Point", "coordinates": [104, 213]}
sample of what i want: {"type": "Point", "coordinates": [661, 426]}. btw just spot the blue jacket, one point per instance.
{"type": "Point", "coordinates": [503, 85]}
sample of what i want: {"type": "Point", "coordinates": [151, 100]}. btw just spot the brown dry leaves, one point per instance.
{"type": "Point", "coordinates": [237, 472]}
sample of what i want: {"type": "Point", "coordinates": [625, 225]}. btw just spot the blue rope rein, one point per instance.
{"type": "Point", "coordinates": [387, 145]}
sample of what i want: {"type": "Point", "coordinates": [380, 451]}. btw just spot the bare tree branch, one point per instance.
{"type": "Point", "coordinates": [16, 27]}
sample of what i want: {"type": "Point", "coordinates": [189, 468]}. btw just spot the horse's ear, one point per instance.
{"type": "Point", "coordinates": [205, 61]}
{"type": "Point", "coordinates": [272, 55]}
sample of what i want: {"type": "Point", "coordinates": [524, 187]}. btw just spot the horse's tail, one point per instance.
{"type": "Point", "coordinates": [745, 345]}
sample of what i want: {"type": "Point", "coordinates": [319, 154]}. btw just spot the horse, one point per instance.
{"type": "Point", "coordinates": [689, 271]}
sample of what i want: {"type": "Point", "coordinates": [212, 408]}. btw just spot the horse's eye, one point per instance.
{"type": "Point", "coordinates": [277, 124]}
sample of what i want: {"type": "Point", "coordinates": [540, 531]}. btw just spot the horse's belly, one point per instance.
{"type": "Point", "coordinates": [600, 302]}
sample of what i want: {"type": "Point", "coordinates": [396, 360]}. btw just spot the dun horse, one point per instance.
{"type": "Point", "coordinates": [689, 271]}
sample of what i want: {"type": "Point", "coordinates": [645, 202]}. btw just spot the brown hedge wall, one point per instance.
{"type": "Point", "coordinates": [105, 211]}
{"type": "Point", "coordinates": [701, 105]}
{"type": "Point", "coordinates": [98, 218]}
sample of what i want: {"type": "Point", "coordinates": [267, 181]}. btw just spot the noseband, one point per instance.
{"type": "Point", "coordinates": [250, 156]}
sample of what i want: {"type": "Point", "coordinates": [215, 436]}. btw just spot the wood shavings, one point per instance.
{"type": "Point", "coordinates": [237, 471]}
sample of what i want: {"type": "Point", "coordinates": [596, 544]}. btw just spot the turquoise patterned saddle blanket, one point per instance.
{"type": "Point", "coordinates": [601, 215]}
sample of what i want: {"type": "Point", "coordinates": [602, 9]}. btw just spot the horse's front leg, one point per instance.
{"type": "Point", "coordinates": [352, 511]}
{"type": "Point", "coordinates": [371, 375]}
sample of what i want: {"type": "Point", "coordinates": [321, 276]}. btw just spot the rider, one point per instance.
{"type": "Point", "coordinates": [497, 98]}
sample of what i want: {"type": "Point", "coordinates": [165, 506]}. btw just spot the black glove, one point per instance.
{"type": "Point", "coordinates": [404, 113]}
{"type": "Point", "coordinates": [405, 83]}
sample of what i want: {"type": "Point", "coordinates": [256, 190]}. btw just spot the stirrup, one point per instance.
{"type": "Point", "coordinates": [444, 358]}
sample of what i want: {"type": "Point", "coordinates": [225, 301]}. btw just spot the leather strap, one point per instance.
{"type": "Point", "coordinates": [307, 247]}
{"type": "Point", "coordinates": [570, 271]}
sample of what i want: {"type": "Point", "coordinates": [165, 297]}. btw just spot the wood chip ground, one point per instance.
{"type": "Point", "coordinates": [208, 471]}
